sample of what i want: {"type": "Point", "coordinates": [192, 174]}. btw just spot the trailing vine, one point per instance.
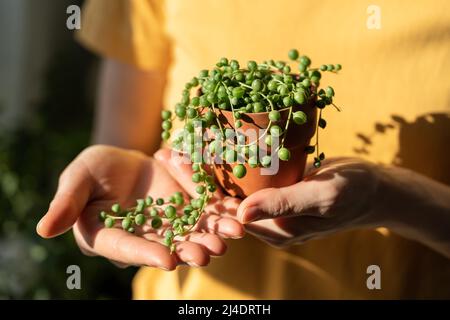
{"type": "Point", "coordinates": [271, 87]}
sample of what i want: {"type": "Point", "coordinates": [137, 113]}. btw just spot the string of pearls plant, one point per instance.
{"type": "Point", "coordinates": [269, 86]}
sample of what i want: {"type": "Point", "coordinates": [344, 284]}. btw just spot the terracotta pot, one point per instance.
{"type": "Point", "coordinates": [297, 139]}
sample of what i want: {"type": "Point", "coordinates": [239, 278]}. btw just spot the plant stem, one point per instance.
{"type": "Point", "coordinates": [270, 102]}
{"type": "Point", "coordinates": [269, 66]}
{"type": "Point", "coordinates": [202, 209]}
{"type": "Point", "coordinates": [218, 122]}
{"type": "Point", "coordinates": [317, 134]}
{"type": "Point", "coordinates": [232, 110]}
{"type": "Point", "coordinates": [286, 127]}
{"type": "Point", "coordinates": [245, 85]}
{"type": "Point", "coordinates": [337, 108]}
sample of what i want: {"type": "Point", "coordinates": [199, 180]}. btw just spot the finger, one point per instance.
{"type": "Point", "coordinates": [210, 221]}
{"type": "Point", "coordinates": [266, 204]}
{"type": "Point", "coordinates": [192, 253]}
{"type": "Point", "coordinates": [82, 245]}
{"type": "Point", "coordinates": [126, 248]}
{"type": "Point", "coordinates": [188, 252]}
{"type": "Point", "coordinates": [74, 190]}
{"type": "Point", "coordinates": [222, 226]}
{"type": "Point", "coordinates": [226, 227]}
{"type": "Point", "coordinates": [119, 264]}
{"type": "Point", "coordinates": [180, 168]}
{"type": "Point", "coordinates": [267, 233]}
{"type": "Point", "coordinates": [225, 207]}
{"type": "Point", "coordinates": [285, 231]}
{"type": "Point", "coordinates": [213, 244]}
{"type": "Point", "coordinates": [123, 247]}
{"type": "Point", "coordinates": [301, 198]}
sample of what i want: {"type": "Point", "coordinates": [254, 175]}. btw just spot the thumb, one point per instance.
{"type": "Point", "coordinates": [276, 202]}
{"type": "Point", "coordinates": [74, 189]}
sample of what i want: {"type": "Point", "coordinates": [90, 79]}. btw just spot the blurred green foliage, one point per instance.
{"type": "Point", "coordinates": [31, 159]}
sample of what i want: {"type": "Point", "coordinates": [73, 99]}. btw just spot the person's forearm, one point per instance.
{"type": "Point", "coordinates": [416, 207]}
{"type": "Point", "coordinates": [128, 107]}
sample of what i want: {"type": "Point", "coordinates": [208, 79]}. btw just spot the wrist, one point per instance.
{"type": "Point", "coordinates": [414, 206]}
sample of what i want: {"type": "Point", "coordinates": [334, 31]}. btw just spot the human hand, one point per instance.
{"type": "Point", "coordinates": [101, 176]}
{"type": "Point", "coordinates": [336, 197]}
{"type": "Point", "coordinates": [180, 170]}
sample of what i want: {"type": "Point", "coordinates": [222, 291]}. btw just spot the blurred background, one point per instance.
{"type": "Point", "coordinates": [47, 85]}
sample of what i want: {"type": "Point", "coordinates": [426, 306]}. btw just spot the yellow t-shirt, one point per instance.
{"type": "Point", "coordinates": [394, 90]}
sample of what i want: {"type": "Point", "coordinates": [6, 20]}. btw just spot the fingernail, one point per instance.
{"type": "Point", "coordinates": [158, 155]}
{"type": "Point", "coordinates": [228, 236]}
{"type": "Point", "coordinates": [166, 268]}
{"type": "Point", "coordinates": [193, 264]}
{"type": "Point", "coordinates": [250, 214]}
{"type": "Point", "coordinates": [39, 225]}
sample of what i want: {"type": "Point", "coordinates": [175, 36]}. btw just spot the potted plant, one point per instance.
{"type": "Point", "coordinates": [251, 126]}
